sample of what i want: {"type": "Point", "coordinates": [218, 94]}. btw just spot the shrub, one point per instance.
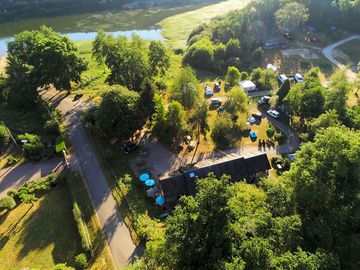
{"type": "Point", "coordinates": [270, 132]}
{"type": "Point", "coordinates": [12, 193]}
{"type": "Point", "coordinates": [7, 203]}
{"type": "Point", "coordinates": [81, 261]}
{"type": "Point", "coordinates": [52, 127]}
{"type": "Point", "coordinates": [4, 136]}
{"type": "Point", "coordinates": [11, 161]}
{"type": "Point", "coordinates": [146, 226]}
{"type": "Point", "coordinates": [280, 137]}
{"type": "Point", "coordinates": [33, 148]}
{"type": "Point", "coordinates": [62, 266]}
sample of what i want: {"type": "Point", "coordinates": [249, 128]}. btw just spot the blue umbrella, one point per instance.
{"type": "Point", "coordinates": [160, 200]}
{"type": "Point", "coordinates": [145, 176]}
{"type": "Point", "coordinates": [253, 135]}
{"type": "Point", "coordinates": [150, 182]}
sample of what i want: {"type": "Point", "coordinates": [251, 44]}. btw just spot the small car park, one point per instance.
{"type": "Point", "coordinates": [273, 113]}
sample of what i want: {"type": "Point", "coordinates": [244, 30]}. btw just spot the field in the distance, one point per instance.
{"type": "Point", "coordinates": [40, 235]}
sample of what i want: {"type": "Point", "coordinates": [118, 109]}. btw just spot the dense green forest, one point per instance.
{"type": "Point", "coordinates": [235, 39]}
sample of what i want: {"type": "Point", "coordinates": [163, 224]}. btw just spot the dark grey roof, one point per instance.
{"type": "Point", "coordinates": [238, 169]}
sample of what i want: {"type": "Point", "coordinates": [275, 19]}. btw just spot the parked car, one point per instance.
{"type": "Point", "coordinates": [264, 100]}
{"type": "Point", "coordinates": [129, 147]}
{"type": "Point", "coordinates": [273, 113]}
{"type": "Point", "coordinates": [208, 91]}
{"type": "Point", "coordinates": [221, 109]}
{"type": "Point", "coordinates": [77, 97]}
{"type": "Point", "coordinates": [217, 87]}
{"type": "Point", "coordinates": [282, 78]}
{"type": "Point", "coordinates": [215, 102]}
{"type": "Point", "coordinates": [298, 78]}
{"type": "Point", "coordinates": [289, 36]}
{"type": "Point", "coordinates": [257, 116]}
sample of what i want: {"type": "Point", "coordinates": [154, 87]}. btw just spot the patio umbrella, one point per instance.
{"type": "Point", "coordinates": [150, 182]}
{"type": "Point", "coordinates": [145, 176]}
{"type": "Point", "coordinates": [160, 200]}
{"type": "Point", "coordinates": [253, 135]}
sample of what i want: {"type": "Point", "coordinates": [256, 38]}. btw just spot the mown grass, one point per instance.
{"type": "Point", "coordinates": [177, 28]}
{"type": "Point", "coordinates": [40, 235]}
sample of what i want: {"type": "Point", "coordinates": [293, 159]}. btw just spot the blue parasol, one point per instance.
{"type": "Point", "coordinates": [150, 182]}
{"type": "Point", "coordinates": [253, 135]}
{"type": "Point", "coordinates": [160, 200]}
{"type": "Point", "coordinates": [145, 176]}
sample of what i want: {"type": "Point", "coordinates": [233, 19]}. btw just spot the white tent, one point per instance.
{"type": "Point", "coordinates": [248, 85]}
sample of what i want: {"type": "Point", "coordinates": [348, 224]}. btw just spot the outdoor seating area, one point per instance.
{"type": "Point", "coordinates": [153, 190]}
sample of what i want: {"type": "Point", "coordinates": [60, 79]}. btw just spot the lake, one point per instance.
{"type": "Point", "coordinates": [150, 34]}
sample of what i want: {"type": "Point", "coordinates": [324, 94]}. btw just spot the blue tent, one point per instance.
{"type": "Point", "coordinates": [251, 120]}
{"type": "Point", "coordinates": [145, 176]}
{"type": "Point", "coordinates": [150, 182]}
{"type": "Point", "coordinates": [253, 135]}
{"type": "Point", "coordinates": [160, 200]}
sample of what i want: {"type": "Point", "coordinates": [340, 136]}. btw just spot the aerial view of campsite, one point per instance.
{"type": "Point", "coordinates": [180, 134]}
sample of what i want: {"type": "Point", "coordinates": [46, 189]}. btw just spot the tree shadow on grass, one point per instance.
{"type": "Point", "coordinates": [51, 224]}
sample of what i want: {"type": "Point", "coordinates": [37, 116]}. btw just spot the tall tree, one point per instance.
{"type": "Point", "coordinates": [291, 16]}
{"type": "Point", "coordinates": [232, 76]}
{"type": "Point", "coordinates": [49, 58]}
{"type": "Point", "coordinates": [237, 101]}
{"type": "Point", "coordinates": [159, 60]}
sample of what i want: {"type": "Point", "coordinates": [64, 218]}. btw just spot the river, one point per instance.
{"type": "Point", "coordinates": [150, 34]}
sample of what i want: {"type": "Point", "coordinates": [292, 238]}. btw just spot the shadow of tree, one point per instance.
{"type": "Point", "coordinates": [51, 224]}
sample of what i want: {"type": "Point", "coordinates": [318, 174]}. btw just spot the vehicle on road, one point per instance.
{"type": "Point", "coordinates": [282, 78]}
{"type": "Point", "coordinates": [264, 100]}
{"type": "Point", "coordinates": [289, 36]}
{"type": "Point", "coordinates": [298, 78]}
{"type": "Point", "coordinates": [273, 113]}
{"type": "Point", "coordinates": [221, 109]}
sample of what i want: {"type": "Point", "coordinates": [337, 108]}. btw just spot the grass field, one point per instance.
{"type": "Point", "coordinates": [40, 235]}
{"type": "Point", "coordinates": [352, 49]}
{"type": "Point", "coordinates": [177, 28]}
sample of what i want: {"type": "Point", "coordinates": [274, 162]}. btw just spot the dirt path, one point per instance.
{"type": "Point", "coordinates": [14, 177]}
{"type": "Point", "coordinates": [116, 233]}
{"type": "Point", "coordinates": [2, 64]}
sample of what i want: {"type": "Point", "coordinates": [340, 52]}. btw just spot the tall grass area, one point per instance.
{"type": "Point", "coordinates": [40, 235]}
{"type": "Point", "coordinates": [177, 28]}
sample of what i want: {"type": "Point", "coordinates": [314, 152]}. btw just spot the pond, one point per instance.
{"type": "Point", "coordinates": [150, 34]}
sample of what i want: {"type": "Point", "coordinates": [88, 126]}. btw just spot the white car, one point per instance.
{"type": "Point", "coordinates": [299, 78]}
{"type": "Point", "coordinates": [282, 78]}
{"type": "Point", "coordinates": [273, 113]}
{"type": "Point", "coordinates": [208, 91]}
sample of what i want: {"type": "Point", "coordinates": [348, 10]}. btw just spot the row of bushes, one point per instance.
{"type": "Point", "coordinates": [81, 260]}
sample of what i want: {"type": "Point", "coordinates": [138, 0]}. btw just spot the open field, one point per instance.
{"type": "Point", "coordinates": [40, 235]}
{"type": "Point", "coordinates": [177, 28]}
{"type": "Point", "coordinates": [352, 50]}
{"type": "Point", "coordinates": [112, 20]}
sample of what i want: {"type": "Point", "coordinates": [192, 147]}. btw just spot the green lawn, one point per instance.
{"type": "Point", "coordinates": [177, 28]}
{"type": "Point", "coordinates": [40, 235]}
{"type": "Point", "coordinates": [352, 49]}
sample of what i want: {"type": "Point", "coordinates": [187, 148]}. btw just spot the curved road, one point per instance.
{"type": "Point", "coordinates": [328, 52]}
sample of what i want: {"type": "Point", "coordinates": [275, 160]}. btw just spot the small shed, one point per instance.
{"type": "Point", "coordinates": [247, 85]}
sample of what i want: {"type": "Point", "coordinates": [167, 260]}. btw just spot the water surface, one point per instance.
{"type": "Point", "coordinates": [151, 34]}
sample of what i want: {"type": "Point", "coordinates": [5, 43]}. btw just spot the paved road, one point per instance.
{"type": "Point", "coordinates": [116, 233]}
{"type": "Point", "coordinates": [328, 52]}
{"type": "Point", "coordinates": [15, 177]}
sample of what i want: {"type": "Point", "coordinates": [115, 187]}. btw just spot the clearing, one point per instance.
{"type": "Point", "coordinates": [39, 235]}
{"type": "Point", "coordinates": [176, 29]}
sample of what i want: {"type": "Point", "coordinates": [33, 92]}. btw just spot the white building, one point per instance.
{"type": "Point", "coordinates": [247, 85]}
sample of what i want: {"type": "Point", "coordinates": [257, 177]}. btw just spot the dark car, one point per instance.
{"type": "Point", "coordinates": [215, 102]}
{"type": "Point", "coordinates": [129, 147]}
{"type": "Point", "coordinates": [221, 109]}
{"type": "Point", "coordinates": [77, 97]}
{"type": "Point", "coordinates": [289, 36]}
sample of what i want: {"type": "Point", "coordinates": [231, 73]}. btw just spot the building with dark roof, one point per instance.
{"type": "Point", "coordinates": [238, 169]}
